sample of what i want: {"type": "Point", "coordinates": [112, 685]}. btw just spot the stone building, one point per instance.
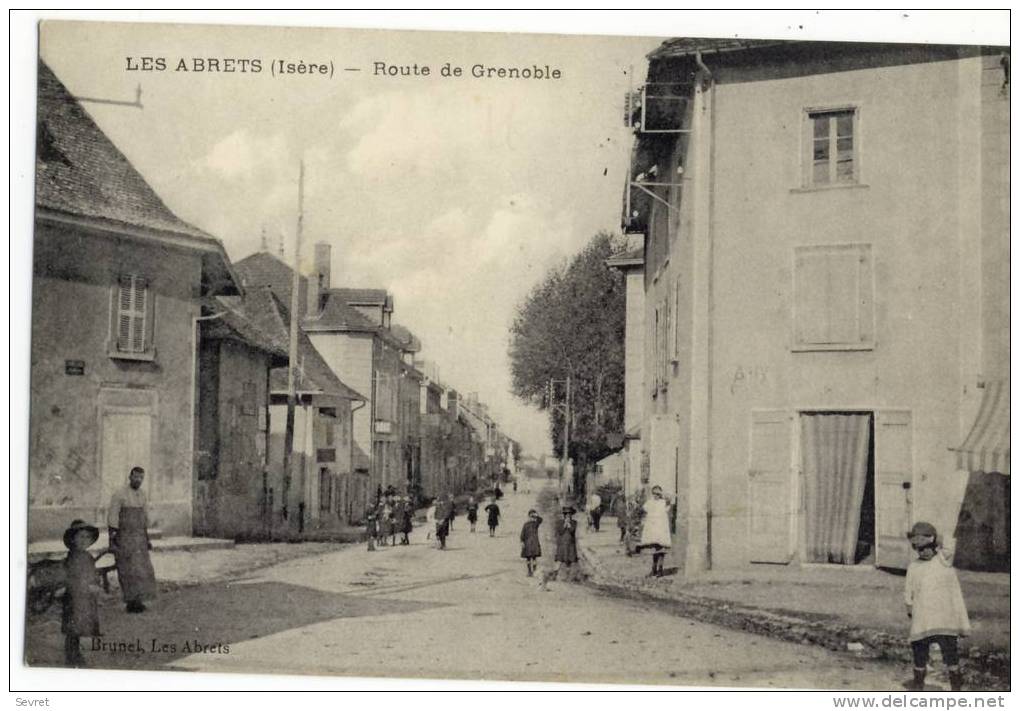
{"type": "Point", "coordinates": [826, 292]}
{"type": "Point", "coordinates": [117, 279]}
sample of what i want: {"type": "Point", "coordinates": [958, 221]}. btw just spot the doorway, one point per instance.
{"type": "Point", "coordinates": [838, 462]}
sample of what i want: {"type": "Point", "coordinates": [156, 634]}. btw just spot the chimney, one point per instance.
{"type": "Point", "coordinates": [318, 282]}
{"type": "Point", "coordinates": [323, 260]}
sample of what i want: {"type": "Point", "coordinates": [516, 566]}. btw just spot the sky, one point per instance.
{"type": "Point", "coordinates": [455, 193]}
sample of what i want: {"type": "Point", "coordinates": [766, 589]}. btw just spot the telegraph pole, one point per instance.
{"type": "Point", "coordinates": [292, 359]}
{"type": "Point", "coordinates": [565, 409]}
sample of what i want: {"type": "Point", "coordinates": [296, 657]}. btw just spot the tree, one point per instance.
{"type": "Point", "coordinates": [572, 323]}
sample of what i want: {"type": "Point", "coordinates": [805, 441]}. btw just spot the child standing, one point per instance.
{"type": "Point", "coordinates": [655, 533]}
{"type": "Point", "coordinates": [566, 540]}
{"type": "Point", "coordinates": [935, 606]}
{"type": "Point", "coordinates": [430, 520]}
{"type": "Point", "coordinates": [531, 548]}
{"type": "Point", "coordinates": [371, 528]}
{"type": "Point", "coordinates": [81, 593]}
{"type": "Point", "coordinates": [493, 511]}
{"type": "Point", "coordinates": [472, 512]}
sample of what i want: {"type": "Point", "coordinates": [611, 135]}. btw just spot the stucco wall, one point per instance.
{"type": "Point", "coordinates": [74, 278]}
{"type": "Point", "coordinates": [915, 166]}
{"type": "Point", "coordinates": [931, 202]}
{"type": "Point", "coordinates": [232, 502]}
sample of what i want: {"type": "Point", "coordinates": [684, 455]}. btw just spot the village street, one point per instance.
{"type": "Point", "coordinates": [467, 612]}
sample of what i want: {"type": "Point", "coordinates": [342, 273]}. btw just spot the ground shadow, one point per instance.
{"type": "Point", "coordinates": [212, 617]}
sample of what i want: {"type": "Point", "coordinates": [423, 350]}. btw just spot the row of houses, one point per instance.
{"type": "Point", "coordinates": [817, 279]}
{"type": "Point", "coordinates": [151, 348]}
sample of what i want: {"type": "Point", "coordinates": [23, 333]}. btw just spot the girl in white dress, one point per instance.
{"type": "Point", "coordinates": [935, 606]}
{"type": "Point", "coordinates": [655, 532]}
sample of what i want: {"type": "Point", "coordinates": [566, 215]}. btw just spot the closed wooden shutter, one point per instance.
{"type": "Point", "coordinates": [833, 296]}
{"type": "Point", "coordinates": [894, 479]}
{"type": "Point", "coordinates": [769, 488]}
{"type": "Point", "coordinates": [132, 314]}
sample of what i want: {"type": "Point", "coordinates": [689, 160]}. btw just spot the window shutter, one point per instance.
{"type": "Point", "coordinates": [124, 285]}
{"type": "Point", "coordinates": [768, 493]}
{"type": "Point", "coordinates": [833, 296]}
{"type": "Point", "coordinates": [140, 306]}
{"type": "Point", "coordinates": [132, 314]}
{"type": "Point", "coordinates": [674, 336]}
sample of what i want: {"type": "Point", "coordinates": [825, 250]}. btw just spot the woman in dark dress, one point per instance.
{"type": "Point", "coordinates": [531, 549]}
{"type": "Point", "coordinates": [493, 511]}
{"type": "Point", "coordinates": [472, 513]}
{"type": "Point", "coordinates": [566, 540]}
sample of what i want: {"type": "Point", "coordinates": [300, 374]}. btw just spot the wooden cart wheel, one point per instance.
{"type": "Point", "coordinates": [39, 600]}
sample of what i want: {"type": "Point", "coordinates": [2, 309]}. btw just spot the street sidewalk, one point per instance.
{"type": "Point", "coordinates": [858, 609]}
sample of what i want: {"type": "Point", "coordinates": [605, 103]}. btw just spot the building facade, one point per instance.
{"type": "Point", "coordinates": [825, 301]}
{"type": "Point", "coordinates": [117, 279]}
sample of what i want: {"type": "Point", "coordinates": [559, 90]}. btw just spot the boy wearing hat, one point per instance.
{"type": "Point", "coordinates": [934, 605]}
{"type": "Point", "coordinates": [531, 547]}
{"type": "Point", "coordinates": [80, 616]}
{"type": "Point", "coordinates": [566, 539]}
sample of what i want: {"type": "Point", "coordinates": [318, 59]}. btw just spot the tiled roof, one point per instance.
{"type": "Point", "coordinates": [313, 373]}
{"type": "Point", "coordinates": [337, 315]}
{"type": "Point", "coordinates": [409, 342]}
{"type": "Point", "coordinates": [264, 269]}
{"type": "Point", "coordinates": [80, 171]}
{"type": "Point", "coordinates": [684, 46]}
{"type": "Point", "coordinates": [252, 319]}
{"type": "Point", "coordinates": [362, 297]}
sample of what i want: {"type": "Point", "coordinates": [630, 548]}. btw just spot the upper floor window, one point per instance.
{"type": "Point", "coordinates": [834, 299]}
{"type": "Point", "coordinates": [133, 315]}
{"type": "Point", "coordinates": [833, 158]}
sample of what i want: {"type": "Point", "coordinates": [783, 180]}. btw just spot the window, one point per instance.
{"type": "Point", "coordinates": [833, 148]}
{"type": "Point", "coordinates": [249, 401]}
{"type": "Point", "coordinates": [133, 316]}
{"type": "Point", "coordinates": [834, 301]}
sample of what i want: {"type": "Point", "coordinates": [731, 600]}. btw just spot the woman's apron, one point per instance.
{"type": "Point", "coordinates": [134, 566]}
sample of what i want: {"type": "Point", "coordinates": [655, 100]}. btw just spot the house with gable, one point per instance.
{"type": "Point", "coordinates": [118, 280]}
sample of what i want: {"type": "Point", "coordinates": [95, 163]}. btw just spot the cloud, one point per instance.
{"type": "Point", "coordinates": [242, 155]}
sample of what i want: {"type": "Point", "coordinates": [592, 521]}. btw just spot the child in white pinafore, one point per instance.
{"type": "Point", "coordinates": [935, 606]}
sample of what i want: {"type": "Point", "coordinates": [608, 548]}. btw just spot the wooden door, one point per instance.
{"type": "Point", "coordinates": [894, 479]}
{"type": "Point", "coordinates": [126, 443]}
{"type": "Point", "coordinates": [769, 488]}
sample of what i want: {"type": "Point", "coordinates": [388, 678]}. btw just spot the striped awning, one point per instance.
{"type": "Point", "coordinates": [986, 448]}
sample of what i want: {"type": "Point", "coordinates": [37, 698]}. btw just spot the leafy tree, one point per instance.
{"type": "Point", "coordinates": [573, 323]}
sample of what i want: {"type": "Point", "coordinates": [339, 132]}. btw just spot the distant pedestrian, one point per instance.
{"type": "Point", "coordinates": [407, 521]}
{"type": "Point", "coordinates": [493, 517]}
{"type": "Point", "coordinates": [619, 509]}
{"type": "Point", "coordinates": [655, 533]}
{"type": "Point", "coordinates": [430, 520]}
{"type": "Point", "coordinates": [531, 548]}
{"type": "Point", "coordinates": [595, 510]}
{"type": "Point", "coordinates": [935, 606]}
{"type": "Point", "coordinates": [566, 541]}
{"type": "Point", "coordinates": [472, 512]}
{"type": "Point", "coordinates": [452, 511]}
{"type": "Point", "coordinates": [128, 524]}
{"type": "Point", "coordinates": [443, 516]}
{"type": "Point", "coordinates": [382, 514]}
{"type": "Point", "coordinates": [80, 616]}
{"type": "Point", "coordinates": [371, 528]}
{"type": "Point", "coordinates": [515, 486]}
